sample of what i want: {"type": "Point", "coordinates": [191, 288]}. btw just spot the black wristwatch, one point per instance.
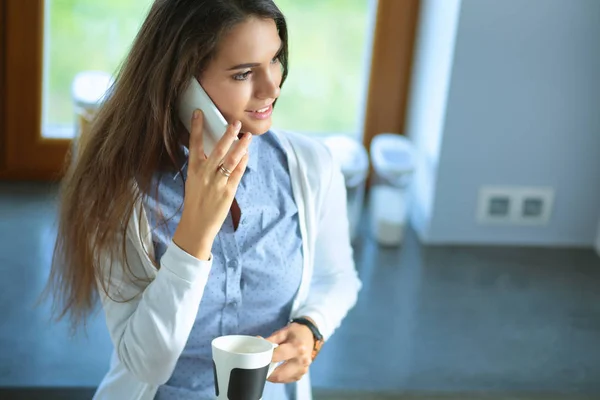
{"type": "Point", "coordinates": [316, 334]}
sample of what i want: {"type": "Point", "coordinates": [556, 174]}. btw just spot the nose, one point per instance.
{"type": "Point", "coordinates": [268, 87]}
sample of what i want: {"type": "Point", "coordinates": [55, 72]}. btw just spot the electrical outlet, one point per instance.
{"type": "Point", "coordinates": [498, 206]}
{"type": "Point", "coordinates": [534, 205]}
{"type": "Point", "coordinates": [495, 204]}
{"type": "Point", "coordinates": [518, 205]}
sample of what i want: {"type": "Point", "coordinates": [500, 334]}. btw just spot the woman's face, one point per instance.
{"type": "Point", "coordinates": [244, 77]}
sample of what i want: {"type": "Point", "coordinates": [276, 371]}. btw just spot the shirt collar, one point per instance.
{"type": "Point", "coordinates": [254, 150]}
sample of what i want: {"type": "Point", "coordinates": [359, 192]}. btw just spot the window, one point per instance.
{"type": "Point", "coordinates": [329, 61]}
{"type": "Point", "coordinates": [335, 44]}
{"type": "Point", "coordinates": [82, 35]}
{"type": "Point", "coordinates": [324, 93]}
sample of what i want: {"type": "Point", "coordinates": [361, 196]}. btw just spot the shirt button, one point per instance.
{"type": "Point", "coordinates": [233, 264]}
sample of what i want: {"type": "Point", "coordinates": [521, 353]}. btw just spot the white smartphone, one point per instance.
{"type": "Point", "coordinates": [215, 125]}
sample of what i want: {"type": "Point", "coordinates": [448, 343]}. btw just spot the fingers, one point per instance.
{"type": "Point", "coordinates": [236, 175]}
{"type": "Point", "coordinates": [234, 158]}
{"type": "Point", "coordinates": [236, 152]}
{"type": "Point", "coordinates": [196, 146]}
{"type": "Point", "coordinates": [291, 371]}
{"type": "Point", "coordinates": [279, 336]}
{"type": "Point", "coordinates": [290, 347]}
{"type": "Point", "coordinates": [295, 351]}
{"type": "Point", "coordinates": [224, 144]}
{"type": "Point", "coordinates": [285, 352]}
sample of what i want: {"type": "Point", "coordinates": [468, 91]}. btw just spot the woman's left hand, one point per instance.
{"type": "Point", "coordinates": [296, 344]}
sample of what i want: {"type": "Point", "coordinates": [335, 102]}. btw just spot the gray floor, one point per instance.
{"type": "Point", "coordinates": [448, 320]}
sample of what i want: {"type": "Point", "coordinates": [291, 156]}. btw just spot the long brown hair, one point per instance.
{"type": "Point", "coordinates": [135, 134]}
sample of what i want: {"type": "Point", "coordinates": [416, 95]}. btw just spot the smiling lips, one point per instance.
{"type": "Point", "coordinates": [262, 113]}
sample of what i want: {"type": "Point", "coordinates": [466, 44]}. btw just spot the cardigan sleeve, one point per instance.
{"type": "Point", "coordinates": [334, 284]}
{"type": "Point", "coordinates": [150, 313]}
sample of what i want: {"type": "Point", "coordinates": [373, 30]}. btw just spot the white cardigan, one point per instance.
{"type": "Point", "coordinates": [150, 331]}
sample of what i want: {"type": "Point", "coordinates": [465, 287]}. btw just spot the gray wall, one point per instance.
{"type": "Point", "coordinates": [523, 108]}
{"type": "Point", "coordinates": [598, 240]}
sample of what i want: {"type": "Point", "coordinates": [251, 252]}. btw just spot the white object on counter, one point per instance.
{"type": "Point", "coordinates": [388, 214]}
{"type": "Point", "coordinates": [354, 162]}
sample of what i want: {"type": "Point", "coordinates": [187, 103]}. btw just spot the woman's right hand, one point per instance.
{"type": "Point", "coordinates": [209, 192]}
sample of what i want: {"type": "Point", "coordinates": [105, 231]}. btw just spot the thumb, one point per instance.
{"type": "Point", "coordinates": [279, 337]}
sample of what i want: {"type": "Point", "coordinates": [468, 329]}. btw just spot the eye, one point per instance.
{"type": "Point", "coordinates": [275, 60]}
{"type": "Point", "coordinates": [243, 76]}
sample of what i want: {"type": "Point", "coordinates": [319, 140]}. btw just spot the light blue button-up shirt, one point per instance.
{"type": "Point", "coordinates": [256, 270]}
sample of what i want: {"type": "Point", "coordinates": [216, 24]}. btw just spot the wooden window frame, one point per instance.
{"type": "Point", "coordinates": [2, 91]}
{"type": "Point", "coordinates": [26, 155]}
{"type": "Point", "coordinates": [391, 68]}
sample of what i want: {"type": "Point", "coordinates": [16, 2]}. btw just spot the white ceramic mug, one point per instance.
{"type": "Point", "coordinates": [241, 365]}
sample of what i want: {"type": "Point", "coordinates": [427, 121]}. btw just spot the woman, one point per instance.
{"type": "Point", "coordinates": [182, 247]}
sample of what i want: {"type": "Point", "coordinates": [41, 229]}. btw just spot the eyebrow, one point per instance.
{"type": "Point", "coordinates": [242, 66]}
{"type": "Point", "coordinates": [252, 65]}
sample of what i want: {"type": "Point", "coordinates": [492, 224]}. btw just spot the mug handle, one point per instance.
{"type": "Point", "coordinates": [273, 365]}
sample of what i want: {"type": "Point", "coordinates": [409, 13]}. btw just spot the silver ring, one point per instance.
{"type": "Point", "coordinates": [224, 171]}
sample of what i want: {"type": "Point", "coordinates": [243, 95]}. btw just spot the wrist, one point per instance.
{"type": "Point", "coordinates": [199, 249]}
{"type": "Point", "coordinates": [312, 327]}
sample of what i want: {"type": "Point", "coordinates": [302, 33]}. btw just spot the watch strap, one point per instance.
{"type": "Point", "coordinates": [308, 323]}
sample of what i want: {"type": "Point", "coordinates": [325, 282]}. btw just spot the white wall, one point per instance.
{"type": "Point", "coordinates": [523, 108]}
{"type": "Point", "coordinates": [434, 52]}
